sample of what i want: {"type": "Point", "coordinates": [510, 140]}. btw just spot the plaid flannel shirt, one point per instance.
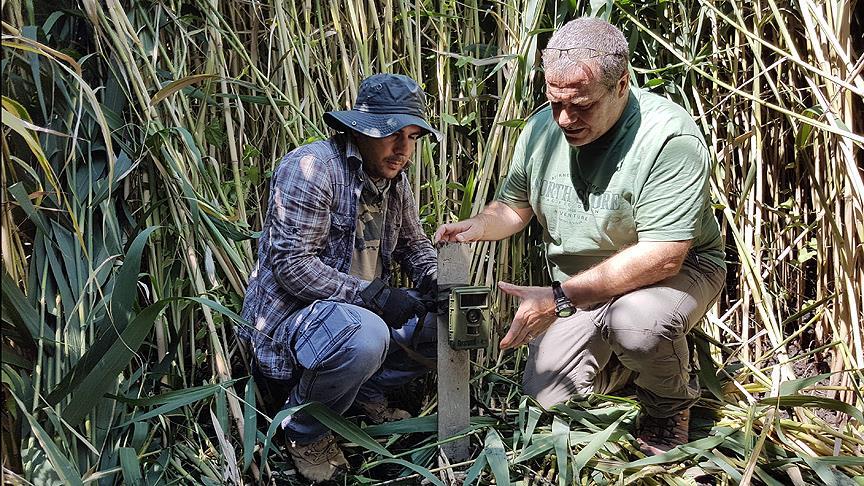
{"type": "Point", "coordinates": [306, 245]}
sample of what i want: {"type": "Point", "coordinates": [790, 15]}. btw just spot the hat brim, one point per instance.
{"type": "Point", "coordinates": [376, 125]}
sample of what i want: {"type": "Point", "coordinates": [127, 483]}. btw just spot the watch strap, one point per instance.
{"type": "Point", "coordinates": [563, 306]}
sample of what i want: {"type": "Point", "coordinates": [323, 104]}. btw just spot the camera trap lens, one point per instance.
{"type": "Point", "coordinates": [473, 316]}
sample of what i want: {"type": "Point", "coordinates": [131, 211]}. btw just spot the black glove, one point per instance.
{"type": "Point", "coordinates": [428, 286]}
{"type": "Point", "coordinates": [394, 305]}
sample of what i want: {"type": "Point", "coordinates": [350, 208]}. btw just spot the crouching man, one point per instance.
{"type": "Point", "coordinates": [327, 327]}
{"type": "Point", "coordinates": [618, 179]}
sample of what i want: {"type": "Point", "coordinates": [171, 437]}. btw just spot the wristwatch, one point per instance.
{"type": "Point", "coordinates": [563, 306]}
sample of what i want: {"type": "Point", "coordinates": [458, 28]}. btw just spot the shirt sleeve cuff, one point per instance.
{"type": "Point", "coordinates": [513, 203]}
{"type": "Point", "coordinates": [667, 235]}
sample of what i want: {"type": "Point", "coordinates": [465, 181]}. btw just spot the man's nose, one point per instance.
{"type": "Point", "coordinates": [567, 118]}
{"type": "Point", "coordinates": [401, 146]}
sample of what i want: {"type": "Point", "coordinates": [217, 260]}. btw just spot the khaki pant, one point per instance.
{"type": "Point", "coordinates": [645, 330]}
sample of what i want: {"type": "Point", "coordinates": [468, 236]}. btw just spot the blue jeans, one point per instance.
{"type": "Point", "coordinates": [347, 352]}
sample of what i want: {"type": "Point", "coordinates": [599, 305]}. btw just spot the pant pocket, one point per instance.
{"type": "Point", "coordinates": [323, 332]}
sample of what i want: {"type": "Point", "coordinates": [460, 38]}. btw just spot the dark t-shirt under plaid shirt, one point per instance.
{"type": "Point", "coordinates": [307, 242]}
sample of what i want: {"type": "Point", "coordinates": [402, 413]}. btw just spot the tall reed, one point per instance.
{"type": "Point", "coordinates": [138, 141]}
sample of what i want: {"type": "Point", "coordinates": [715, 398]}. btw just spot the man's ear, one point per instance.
{"type": "Point", "coordinates": [623, 83]}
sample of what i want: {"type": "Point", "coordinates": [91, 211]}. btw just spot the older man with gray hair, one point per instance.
{"type": "Point", "coordinates": [618, 179]}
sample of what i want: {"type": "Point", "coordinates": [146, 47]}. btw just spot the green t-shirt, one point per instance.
{"type": "Point", "coordinates": [646, 179]}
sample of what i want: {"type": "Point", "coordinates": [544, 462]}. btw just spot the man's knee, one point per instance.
{"type": "Point", "coordinates": [549, 394]}
{"type": "Point", "coordinates": [346, 335]}
{"type": "Point", "coordinates": [367, 347]}
{"type": "Point", "coordinates": [637, 327]}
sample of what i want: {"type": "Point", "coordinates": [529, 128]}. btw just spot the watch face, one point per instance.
{"type": "Point", "coordinates": [565, 312]}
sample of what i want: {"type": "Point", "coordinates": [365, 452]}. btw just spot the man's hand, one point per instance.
{"type": "Point", "coordinates": [496, 222]}
{"type": "Point", "coordinates": [461, 232]}
{"type": "Point", "coordinates": [394, 305]}
{"type": "Point", "coordinates": [399, 306]}
{"type": "Point", "coordinates": [535, 314]}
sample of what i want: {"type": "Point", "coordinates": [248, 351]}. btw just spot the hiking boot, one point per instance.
{"type": "Point", "coordinates": [658, 435]}
{"type": "Point", "coordinates": [378, 412]}
{"type": "Point", "coordinates": [318, 460]}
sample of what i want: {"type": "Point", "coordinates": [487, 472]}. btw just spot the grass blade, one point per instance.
{"type": "Point", "coordinates": [62, 466]}
{"type": "Point", "coordinates": [250, 423]}
{"type": "Point", "coordinates": [597, 442]}
{"type": "Point", "coordinates": [131, 466]}
{"type": "Point", "coordinates": [331, 420]}
{"type": "Point", "coordinates": [560, 441]}
{"type": "Point", "coordinates": [493, 450]}
{"type": "Point", "coordinates": [814, 402]}
{"type": "Point", "coordinates": [414, 467]}
{"type": "Point", "coordinates": [173, 400]}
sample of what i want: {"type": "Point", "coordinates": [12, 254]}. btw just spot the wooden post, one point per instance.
{"type": "Point", "coordinates": [454, 260]}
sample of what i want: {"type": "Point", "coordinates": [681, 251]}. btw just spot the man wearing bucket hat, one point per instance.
{"type": "Point", "coordinates": [325, 326]}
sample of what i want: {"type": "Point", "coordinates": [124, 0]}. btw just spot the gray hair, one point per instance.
{"type": "Point", "coordinates": [588, 38]}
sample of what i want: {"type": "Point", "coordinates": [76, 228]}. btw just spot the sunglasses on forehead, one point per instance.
{"type": "Point", "coordinates": [575, 54]}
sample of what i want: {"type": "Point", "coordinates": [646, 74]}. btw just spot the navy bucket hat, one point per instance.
{"type": "Point", "coordinates": [385, 103]}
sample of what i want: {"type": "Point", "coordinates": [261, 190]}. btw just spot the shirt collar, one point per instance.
{"type": "Point", "coordinates": [352, 153]}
